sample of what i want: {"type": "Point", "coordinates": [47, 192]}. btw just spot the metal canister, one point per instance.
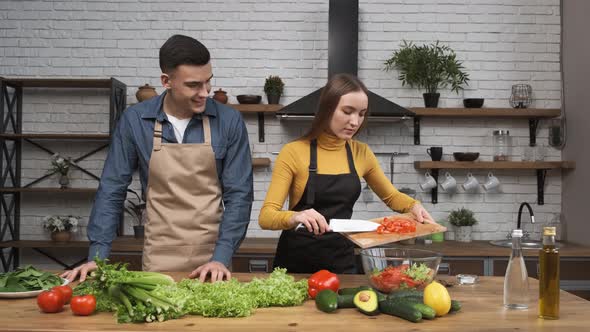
{"type": "Point", "coordinates": [502, 145]}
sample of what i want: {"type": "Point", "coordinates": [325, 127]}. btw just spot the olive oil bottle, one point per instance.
{"type": "Point", "coordinates": [549, 276]}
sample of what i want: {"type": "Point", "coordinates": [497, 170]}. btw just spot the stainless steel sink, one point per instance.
{"type": "Point", "coordinates": [526, 244]}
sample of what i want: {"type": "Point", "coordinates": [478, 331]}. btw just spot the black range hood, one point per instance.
{"type": "Point", "coordinates": [343, 58]}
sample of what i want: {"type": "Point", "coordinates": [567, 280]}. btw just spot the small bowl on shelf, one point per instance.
{"type": "Point", "coordinates": [394, 269]}
{"type": "Point", "coordinates": [465, 156]}
{"type": "Point", "coordinates": [249, 99]}
{"type": "Point", "coordinates": [473, 102]}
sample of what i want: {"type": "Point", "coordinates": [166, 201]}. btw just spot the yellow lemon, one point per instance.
{"type": "Point", "coordinates": [437, 297]}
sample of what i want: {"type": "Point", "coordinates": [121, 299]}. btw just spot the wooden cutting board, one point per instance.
{"type": "Point", "coordinates": [372, 239]}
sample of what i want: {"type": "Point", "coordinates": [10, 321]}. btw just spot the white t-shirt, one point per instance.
{"type": "Point", "coordinates": [179, 126]}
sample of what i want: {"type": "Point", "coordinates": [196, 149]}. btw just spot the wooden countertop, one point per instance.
{"type": "Point", "coordinates": [482, 311]}
{"type": "Point", "coordinates": [267, 246]}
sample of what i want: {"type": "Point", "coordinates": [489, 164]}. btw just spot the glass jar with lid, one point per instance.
{"type": "Point", "coordinates": [502, 145]}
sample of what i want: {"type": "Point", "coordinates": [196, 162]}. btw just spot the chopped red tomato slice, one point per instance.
{"type": "Point", "coordinates": [396, 225]}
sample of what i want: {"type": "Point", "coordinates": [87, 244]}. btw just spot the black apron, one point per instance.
{"type": "Point", "coordinates": [333, 196]}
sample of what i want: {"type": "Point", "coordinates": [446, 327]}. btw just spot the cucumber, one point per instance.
{"type": "Point", "coordinates": [327, 300]}
{"type": "Point", "coordinates": [407, 293]}
{"type": "Point", "coordinates": [426, 311]}
{"type": "Point", "coordinates": [352, 290]}
{"type": "Point", "coordinates": [346, 301]}
{"type": "Point", "coordinates": [455, 306]}
{"type": "Point", "coordinates": [400, 309]}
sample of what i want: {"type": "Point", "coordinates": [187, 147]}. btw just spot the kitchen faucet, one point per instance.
{"type": "Point", "coordinates": [522, 205]}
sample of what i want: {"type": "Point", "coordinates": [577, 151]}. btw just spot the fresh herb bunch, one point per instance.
{"type": "Point", "coordinates": [428, 67]}
{"type": "Point", "coordinates": [462, 217]}
{"type": "Point", "coordinates": [274, 85]}
{"type": "Point", "coordinates": [61, 223]}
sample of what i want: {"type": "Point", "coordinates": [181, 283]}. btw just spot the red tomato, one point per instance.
{"type": "Point", "coordinates": [66, 291]}
{"type": "Point", "coordinates": [50, 301]}
{"type": "Point", "coordinates": [83, 305]}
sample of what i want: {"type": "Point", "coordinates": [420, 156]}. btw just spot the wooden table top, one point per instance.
{"type": "Point", "coordinates": [267, 246]}
{"type": "Point", "coordinates": [482, 311]}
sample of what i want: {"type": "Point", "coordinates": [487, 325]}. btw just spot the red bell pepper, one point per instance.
{"type": "Point", "coordinates": [323, 279]}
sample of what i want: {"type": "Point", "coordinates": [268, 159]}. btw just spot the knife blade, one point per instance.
{"type": "Point", "coordinates": [352, 225]}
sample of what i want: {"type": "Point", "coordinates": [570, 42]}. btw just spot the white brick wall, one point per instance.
{"type": "Point", "coordinates": [500, 42]}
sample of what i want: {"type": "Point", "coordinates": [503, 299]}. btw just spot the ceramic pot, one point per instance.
{"type": "Point", "coordinates": [138, 232]}
{"type": "Point", "coordinates": [463, 234]}
{"type": "Point", "coordinates": [63, 236]}
{"type": "Point", "coordinates": [273, 99]}
{"type": "Point", "coordinates": [145, 92]}
{"type": "Point", "coordinates": [220, 96]}
{"type": "Point", "coordinates": [431, 99]}
{"type": "Point", "coordinates": [64, 181]}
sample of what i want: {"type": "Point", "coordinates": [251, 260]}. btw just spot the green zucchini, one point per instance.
{"type": "Point", "coordinates": [346, 301]}
{"type": "Point", "coordinates": [327, 300]}
{"type": "Point", "coordinates": [400, 309]}
{"type": "Point", "coordinates": [352, 290]}
{"type": "Point", "coordinates": [455, 306]}
{"type": "Point", "coordinates": [426, 311]}
{"type": "Point", "coordinates": [407, 293]}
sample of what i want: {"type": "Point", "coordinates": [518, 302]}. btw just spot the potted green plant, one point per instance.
{"type": "Point", "coordinates": [135, 207]}
{"type": "Point", "coordinates": [62, 166]}
{"type": "Point", "coordinates": [273, 87]}
{"type": "Point", "coordinates": [61, 227]}
{"type": "Point", "coordinates": [463, 219]}
{"type": "Point", "coordinates": [428, 67]}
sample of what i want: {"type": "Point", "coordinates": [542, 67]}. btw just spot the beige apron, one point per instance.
{"type": "Point", "coordinates": [183, 204]}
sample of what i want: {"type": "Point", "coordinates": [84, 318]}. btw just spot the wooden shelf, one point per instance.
{"type": "Point", "coordinates": [260, 162]}
{"type": "Point", "coordinates": [56, 82]}
{"type": "Point", "coordinates": [488, 112]}
{"type": "Point", "coordinates": [48, 190]}
{"type": "Point", "coordinates": [257, 108]}
{"type": "Point", "coordinates": [100, 137]}
{"type": "Point", "coordinates": [494, 164]}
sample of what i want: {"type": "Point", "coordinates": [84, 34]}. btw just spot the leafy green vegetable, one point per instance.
{"type": "Point", "coordinates": [26, 279]}
{"type": "Point", "coordinates": [419, 272]}
{"type": "Point", "coordinates": [278, 290]}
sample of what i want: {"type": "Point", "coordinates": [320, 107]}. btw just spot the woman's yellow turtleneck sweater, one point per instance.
{"type": "Point", "coordinates": [291, 172]}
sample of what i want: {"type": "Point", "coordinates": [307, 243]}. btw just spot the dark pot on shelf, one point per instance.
{"type": "Point", "coordinates": [64, 181]}
{"type": "Point", "coordinates": [61, 236]}
{"type": "Point", "coordinates": [220, 96]}
{"type": "Point", "coordinates": [273, 98]}
{"type": "Point", "coordinates": [145, 92]}
{"type": "Point", "coordinates": [138, 232]}
{"type": "Point", "coordinates": [431, 99]}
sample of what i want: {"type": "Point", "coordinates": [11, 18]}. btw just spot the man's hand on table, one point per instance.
{"type": "Point", "coordinates": [217, 270]}
{"type": "Point", "coordinates": [83, 270]}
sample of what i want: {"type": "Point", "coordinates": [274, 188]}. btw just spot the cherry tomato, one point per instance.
{"type": "Point", "coordinates": [50, 301]}
{"type": "Point", "coordinates": [83, 305]}
{"type": "Point", "coordinates": [66, 292]}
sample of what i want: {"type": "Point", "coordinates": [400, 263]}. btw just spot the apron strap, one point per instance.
{"type": "Point", "coordinates": [206, 129]}
{"type": "Point", "coordinates": [350, 160]}
{"type": "Point", "coordinates": [313, 169]}
{"type": "Point", "coordinates": [157, 136]}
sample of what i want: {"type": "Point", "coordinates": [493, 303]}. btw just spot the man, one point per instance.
{"type": "Point", "coordinates": [188, 227]}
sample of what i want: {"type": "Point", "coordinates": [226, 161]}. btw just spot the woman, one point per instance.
{"type": "Point", "coordinates": [320, 174]}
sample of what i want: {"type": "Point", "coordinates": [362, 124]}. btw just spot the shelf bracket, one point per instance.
{"type": "Point", "coordinates": [533, 123]}
{"type": "Point", "coordinates": [541, 175]}
{"type": "Point", "coordinates": [416, 130]}
{"type": "Point", "coordinates": [434, 192]}
{"type": "Point", "coordinates": [261, 127]}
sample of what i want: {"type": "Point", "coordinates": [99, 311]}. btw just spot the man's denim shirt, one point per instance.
{"type": "Point", "coordinates": [131, 148]}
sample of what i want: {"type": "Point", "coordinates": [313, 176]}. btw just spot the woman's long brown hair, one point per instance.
{"type": "Point", "coordinates": [337, 86]}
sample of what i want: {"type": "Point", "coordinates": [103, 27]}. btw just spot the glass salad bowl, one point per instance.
{"type": "Point", "coordinates": [392, 269]}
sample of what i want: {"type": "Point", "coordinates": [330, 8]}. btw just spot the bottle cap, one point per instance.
{"type": "Point", "coordinates": [548, 230]}
{"type": "Point", "coordinates": [517, 233]}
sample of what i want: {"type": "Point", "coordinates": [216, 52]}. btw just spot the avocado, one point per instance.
{"type": "Point", "coordinates": [367, 302]}
{"type": "Point", "coordinates": [327, 300]}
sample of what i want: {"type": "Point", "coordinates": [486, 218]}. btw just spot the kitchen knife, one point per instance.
{"type": "Point", "coordinates": [352, 225]}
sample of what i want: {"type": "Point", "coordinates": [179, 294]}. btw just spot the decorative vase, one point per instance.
{"type": "Point", "coordinates": [273, 98]}
{"type": "Point", "coordinates": [431, 99]}
{"type": "Point", "coordinates": [64, 181]}
{"type": "Point", "coordinates": [220, 96]}
{"type": "Point", "coordinates": [138, 232]}
{"type": "Point", "coordinates": [145, 92]}
{"type": "Point", "coordinates": [463, 234]}
{"type": "Point", "coordinates": [61, 236]}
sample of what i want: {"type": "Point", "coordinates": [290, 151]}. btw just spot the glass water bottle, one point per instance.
{"type": "Point", "coordinates": [516, 284]}
{"type": "Point", "coordinates": [549, 276]}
